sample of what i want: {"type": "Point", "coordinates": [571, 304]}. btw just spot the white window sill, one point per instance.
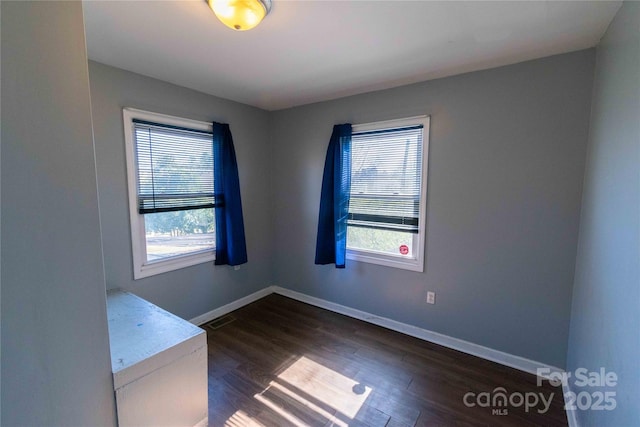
{"type": "Point", "coordinates": [407, 263]}
{"type": "Point", "coordinates": [171, 264]}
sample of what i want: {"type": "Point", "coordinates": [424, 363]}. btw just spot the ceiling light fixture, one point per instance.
{"type": "Point", "coordinates": [240, 15]}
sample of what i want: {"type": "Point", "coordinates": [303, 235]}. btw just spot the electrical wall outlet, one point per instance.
{"type": "Point", "coordinates": [431, 297]}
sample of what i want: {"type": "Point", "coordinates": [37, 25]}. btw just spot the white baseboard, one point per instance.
{"type": "Point", "coordinates": [228, 308]}
{"type": "Point", "coordinates": [572, 418]}
{"type": "Point", "coordinates": [516, 362]}
{"type": "Point", "coordinates": [510, 360]}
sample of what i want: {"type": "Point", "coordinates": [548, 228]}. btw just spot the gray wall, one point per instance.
{"type": "Point", "coordinates": [191, 291]}
{"type": "Point", "coordinates": [505, 182]}
{"type": "Point", "coordinates": [605, 318]}
{"type": "Point", "coordinates": [507, 155]}
{"type": "Point", "coordinates": [55, 351]}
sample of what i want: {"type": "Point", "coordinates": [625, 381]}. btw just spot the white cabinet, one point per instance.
{"type": "Point", "coordinates": [159, 364]}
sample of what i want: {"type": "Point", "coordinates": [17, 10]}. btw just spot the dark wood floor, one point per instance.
{"type": "Point", "coordinates": [279, 362]}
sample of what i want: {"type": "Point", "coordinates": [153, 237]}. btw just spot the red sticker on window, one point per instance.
{"type": "Point", "coordinates": [404, 249]}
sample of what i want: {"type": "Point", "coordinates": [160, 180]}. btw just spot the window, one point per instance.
{"type": "Point", "coordinates": [386, 223]}
{"type": "Point", "coordinates": [171, 194]}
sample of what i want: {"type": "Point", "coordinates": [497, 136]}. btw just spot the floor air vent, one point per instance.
{"type": "Point", "coordinates": [219, 322]}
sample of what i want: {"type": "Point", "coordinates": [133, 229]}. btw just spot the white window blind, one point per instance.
{"type": "Point", "coordinates": [174, 167]}
{"type": "Point", "coordinates": [386, 177]}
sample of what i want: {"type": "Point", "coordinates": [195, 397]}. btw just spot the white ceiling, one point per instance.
{"type": "Point", "coordinates": [309, 51]}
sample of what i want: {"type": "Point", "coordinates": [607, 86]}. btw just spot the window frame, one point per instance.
{"type": "Point", "coordinates": [141, 267]}
{"type": "Point", "coordinates": [415, 263]}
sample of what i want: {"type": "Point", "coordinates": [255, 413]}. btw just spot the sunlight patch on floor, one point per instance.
{"type": "Point", "coordinates": [280, 411]}
{"type": "Point", "coordinates": [312, 406]}
{"type": "Point", "coordinates": [326, 385]}
{"type": "Point", "coordinates": [241, 419]}
{"type": "Point", "coordinates": [313, 392]}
